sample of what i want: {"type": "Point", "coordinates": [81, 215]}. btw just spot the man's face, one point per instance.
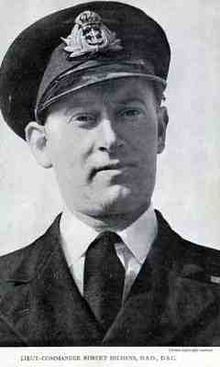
{"type": "Point", "coordinates": [103, 142]}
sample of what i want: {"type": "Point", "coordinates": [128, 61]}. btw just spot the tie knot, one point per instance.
{"type": "Point", "coordinates": [104, 244]}
{"type": "Point", "coordinates": [109, 236]}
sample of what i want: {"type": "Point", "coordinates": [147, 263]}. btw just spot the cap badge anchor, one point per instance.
{"type": "Point", "coordinates": [90, 35]}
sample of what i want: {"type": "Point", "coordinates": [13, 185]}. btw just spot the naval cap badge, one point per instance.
{"type": "Point", "coordinates": [90, 35]}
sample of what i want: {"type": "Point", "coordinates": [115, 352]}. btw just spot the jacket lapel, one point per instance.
{"type": "Point", "coordinates": [191, 308]}
{"type": "Point", "coordinates": [167, 301]}
{"type": "Point", "coordinates": [42, 306]}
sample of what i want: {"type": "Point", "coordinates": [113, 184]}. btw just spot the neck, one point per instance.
{"type": "Point", "coordinates": [116, 222]}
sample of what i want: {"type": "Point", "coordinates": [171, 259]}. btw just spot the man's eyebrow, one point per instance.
{"type": "Point", "coordinates": [81, 104]}
{"type": "Point", "coordinates": [87, 103]}
{"type": "Point", "coordinates": [127, 101]}
{"type": "Point", "coordinates": [132, 100]}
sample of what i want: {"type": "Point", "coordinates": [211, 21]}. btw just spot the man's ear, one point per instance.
{"type": "Point", "coordinates": [163, 119]}
{"type": "Point", "coordinates": [35, 135]}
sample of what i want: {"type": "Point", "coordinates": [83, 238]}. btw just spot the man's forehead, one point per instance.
{"type": "Point", "coordinates": [120, 91]}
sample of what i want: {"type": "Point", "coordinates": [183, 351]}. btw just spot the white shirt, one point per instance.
{"type": "Point", "coordinates": [137, 239]}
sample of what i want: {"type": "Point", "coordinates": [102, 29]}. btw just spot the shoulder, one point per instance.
{"type": "Point", "coordinates": [201, 262]}
{"type": "Point", "coordinates": [188, 258]}
{"type": "Point", "coordinates": [23, 262]}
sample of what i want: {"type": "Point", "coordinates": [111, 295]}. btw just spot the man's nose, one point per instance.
{"type": "Point", "coordinates": [109, 134]}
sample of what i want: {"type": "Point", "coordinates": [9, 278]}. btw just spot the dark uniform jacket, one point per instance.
{"type": "Point", "coordinates": [175, 299]}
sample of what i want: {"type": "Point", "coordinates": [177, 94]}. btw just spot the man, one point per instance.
{"type": "Point", "coordinates": [84, 88]}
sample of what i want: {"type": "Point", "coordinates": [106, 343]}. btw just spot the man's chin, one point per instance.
{"type": "Point", "coordinates": [115, 200]}
{"type": "Point", "coordinates": [116, 207]}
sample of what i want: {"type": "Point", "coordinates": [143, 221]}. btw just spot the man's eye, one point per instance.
{"type": "Point", "coordinates": [130, 113]}
{"type": "Point", "coordinates": [84, 118]}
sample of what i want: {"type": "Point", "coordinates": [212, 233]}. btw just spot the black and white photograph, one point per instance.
{"type": "Point", "coordinates": [109, 174]}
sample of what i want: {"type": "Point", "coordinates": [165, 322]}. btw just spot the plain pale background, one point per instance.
{"type": "Point", "coordinates": [188, 180]}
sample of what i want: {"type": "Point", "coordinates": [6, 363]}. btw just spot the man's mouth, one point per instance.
{"type": "Point", "coordinates": [117, 166]}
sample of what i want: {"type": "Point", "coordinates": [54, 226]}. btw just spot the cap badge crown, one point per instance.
{"type": "Point", "coordinates": [90, 35]}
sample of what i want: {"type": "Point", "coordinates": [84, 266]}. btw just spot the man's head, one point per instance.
{"type": "Point", "coordinates": [102, 142]}
{"type": "Point", "coordinates": [95, 115]}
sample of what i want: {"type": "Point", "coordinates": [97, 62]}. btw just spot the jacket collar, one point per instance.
{"type": "Point", "coordinates": [40, 302]}
{"type": "Point", "coordinates": [40, 299]}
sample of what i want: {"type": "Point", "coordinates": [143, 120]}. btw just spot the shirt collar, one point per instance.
{"type": "Point", "coordinates": [140, 235]}
{"type": "Point", "coordinates": [76, 236]}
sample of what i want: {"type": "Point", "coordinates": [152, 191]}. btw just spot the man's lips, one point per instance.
{"type": "Point", "coordinates": [110, 167]}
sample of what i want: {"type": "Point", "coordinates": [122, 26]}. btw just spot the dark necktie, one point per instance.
{"type": "Point", "coordinates": [103, 278]}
